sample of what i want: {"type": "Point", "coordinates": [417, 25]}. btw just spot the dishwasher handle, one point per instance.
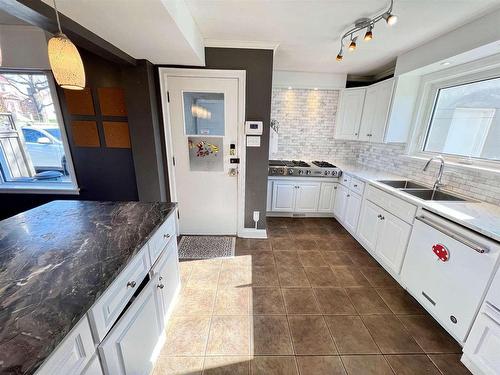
{"type": "Point", "coordinates": [456, 236]}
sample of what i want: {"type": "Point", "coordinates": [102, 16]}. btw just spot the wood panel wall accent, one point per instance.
{"type": "Point", "coordinates": [85, 134]}
{"type": "Point", "coordinates": [112, 101]}
{"type": "Point", "coordinates": [80, 102]}
{"type": "Point", "coordinates": [116, 134]}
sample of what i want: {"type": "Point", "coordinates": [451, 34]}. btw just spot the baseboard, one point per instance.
{"type": "Point", "coordinates": [252, 233]}
{"type": "Point", "coordinates": [299, 215]}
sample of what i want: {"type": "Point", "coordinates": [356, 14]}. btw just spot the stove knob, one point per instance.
{"type": "Point", "coordinates": [334, 173]}
{"type": "Point", "coordinates": [281, 171]}
{"type": "Point", "coordinates": [300, 171]}
{"type": "Point", "coordinates": [308, 172]}
{"type": "Point", "coordinates": [327, 173]}
{"type": "Point", "coordinates": [290, 171]}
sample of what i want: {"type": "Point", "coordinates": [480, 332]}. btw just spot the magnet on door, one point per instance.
{"type": "Point", "coordinates": [233, 172]}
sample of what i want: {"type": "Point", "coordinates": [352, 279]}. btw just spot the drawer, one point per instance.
{"type": "Point", "coordinates": [396, 206]}
{"type": "Point", "coordinates": [357, 186]}
{"type": "Point", "coordinates": [110, 305]}
{"type": "Point", "coordinates": [345, 180]}
{"type": "Point", "coordinates": [73, 354]}
{"type": "Point", "coordinates": [161, 237]}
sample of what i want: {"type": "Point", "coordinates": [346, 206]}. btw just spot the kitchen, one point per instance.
{"type": "Point", "coordinates": [247, 200]}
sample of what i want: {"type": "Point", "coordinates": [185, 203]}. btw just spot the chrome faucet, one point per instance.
{"type": "Point", "coordinates": [437, 183]}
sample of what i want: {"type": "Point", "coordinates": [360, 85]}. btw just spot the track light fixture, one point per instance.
{"type": "Point", "coordinates": [362, 24]}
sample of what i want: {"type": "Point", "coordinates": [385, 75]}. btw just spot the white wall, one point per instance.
{"type": "Point", "coordinates": [307, 80]}
{"type": "Point", "coordinates": [23, 47]}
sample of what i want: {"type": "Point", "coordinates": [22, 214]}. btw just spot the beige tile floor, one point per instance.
{"type": "Point", "coordinates": [309, 300]}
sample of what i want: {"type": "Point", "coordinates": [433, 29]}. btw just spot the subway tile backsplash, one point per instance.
{"type": "Point", "coordinates": [307, 128]}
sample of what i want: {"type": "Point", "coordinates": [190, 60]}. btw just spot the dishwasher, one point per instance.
{"type": "Point", "coordinates": [448, 269]}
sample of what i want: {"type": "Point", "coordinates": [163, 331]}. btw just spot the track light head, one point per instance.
{"type": "Point", "coordinates": [369, 34]}
{"type": "Point", "coordinates": [390, 18]}
{"type": "Point", "coordinates": [352, 45]}
{"type": "Point", "coordinates": [340, 55]}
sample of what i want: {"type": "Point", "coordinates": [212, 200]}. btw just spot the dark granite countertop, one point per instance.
{"type": "Point", "coordinates": [55, 261]}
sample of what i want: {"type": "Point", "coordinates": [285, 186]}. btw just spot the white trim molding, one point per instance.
{"type": "Point", "coordinates": [240, 75]}
{"type": "Point", "coordinates": [252, 233]}
{"type": "Point", "coordinates": [246, 44]}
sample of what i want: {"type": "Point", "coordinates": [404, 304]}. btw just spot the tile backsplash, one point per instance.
{"type": "Point", "coordinates": [307, 127]}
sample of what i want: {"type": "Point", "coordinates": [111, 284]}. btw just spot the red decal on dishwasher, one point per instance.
{"type": "Point", "coordinates": [441, 251]}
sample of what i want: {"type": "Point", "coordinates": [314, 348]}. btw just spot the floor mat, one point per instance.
{"type": "Point", "coordinates": [206, 247]}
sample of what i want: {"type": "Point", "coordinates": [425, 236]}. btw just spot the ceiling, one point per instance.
{"type": "Point", "coordinates": [306, 31]}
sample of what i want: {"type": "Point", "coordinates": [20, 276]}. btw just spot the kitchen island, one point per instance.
{"type": "Point", "coordinates": [57, 260]}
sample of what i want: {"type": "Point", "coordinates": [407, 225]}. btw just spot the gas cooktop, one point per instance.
{"type": "Point", "coordinates": [292, 168]}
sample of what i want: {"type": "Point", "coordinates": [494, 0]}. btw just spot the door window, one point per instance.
{"type": "Point", "coordinates": [204, 113]}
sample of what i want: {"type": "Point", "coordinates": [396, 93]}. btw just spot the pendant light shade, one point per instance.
{"type": "Point", "coordinates": [66, 63]}
{"type": "Point", "coordinates": [65, 60]}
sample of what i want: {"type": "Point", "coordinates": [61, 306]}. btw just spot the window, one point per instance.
{"type": "Point", "coordinates": [465, 121]}
{"type": "Point", "coordinates": [34, 152]}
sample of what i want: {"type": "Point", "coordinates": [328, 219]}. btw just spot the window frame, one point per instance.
{"type": "Point", "coordinates": [53, 187]}
{"type": "Point", "coordinates": [475, 71]}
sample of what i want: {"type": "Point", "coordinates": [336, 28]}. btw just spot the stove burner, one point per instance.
{"type": "Point", "coordinates": [300, 163]}
{"type": "Point", "coordinates": [323, 164]}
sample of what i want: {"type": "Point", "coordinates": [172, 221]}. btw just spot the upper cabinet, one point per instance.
{"type": "Point", "coordinates": [378, 113]}
{"type": "Point", "coordinates": [349, 114]}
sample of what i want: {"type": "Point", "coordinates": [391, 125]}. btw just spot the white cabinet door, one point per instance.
{"type": "Point", "coordinates": [73, 354]}
{"type": "Point", "coordinates": [483, 344]}
{"type": "Point", "coordinates": [129, 346]}
{"type": "Point", "coordinates": [384, 97]}
{"type": "Point", "coordinates": [392, 241]}
{"type": "Point", "coordinates": [352, 212]}
{"type": "Point", "coordinates": [369, 221]}
{"type": "Point", "coordinates": [327, 197]}
{"type": "Point", "coordinates": [269, 195]}
{"type": "Point", "coordinates": [283, 196]}
{"type": "Point", "coordinates": [369, 113]}
{"type": "Point", "coordinates": [340, 204]}
{"type": "Point", "coordinates": [307, 197]}
{"type": "Point", "coordinates": [166, 277]}
{"type": "Point", "coordinates": [350, 111]}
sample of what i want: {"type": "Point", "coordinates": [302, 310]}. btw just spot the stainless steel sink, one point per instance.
{"type": "Point", "coordinates": [403, 184]}
{"type": "Point", "coordinates": [432, 195]}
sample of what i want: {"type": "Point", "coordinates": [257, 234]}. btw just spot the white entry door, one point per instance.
{"type": "Point", "coordinates": [204, 136]}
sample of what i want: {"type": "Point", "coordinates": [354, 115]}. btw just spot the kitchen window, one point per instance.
{"type": "Point", "coordinates": [460, 115]}
{"type": "Point", "coordinates": [34, 152]}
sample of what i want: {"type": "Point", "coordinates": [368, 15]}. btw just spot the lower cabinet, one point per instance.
{"type": "Point", "coordinates": [384, 235]}
{"type": "Point", "coordinates": [352, 211]}
{"type": "Point", "coordinates": [302, 196]}
{"type": "Point", "coordinates": [167, 279]}
{"type": "Point", "coordinates": [128, 347]}
{"type": "Point", "coordinates": [481, 350]}
{"type": "Point", "coordinates": [346, 208]}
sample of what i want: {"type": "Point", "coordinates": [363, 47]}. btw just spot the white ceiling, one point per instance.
{"type": "Point", "coordinates": [307, 31]}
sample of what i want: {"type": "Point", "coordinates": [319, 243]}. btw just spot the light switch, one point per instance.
{"type": "Point", "coordinates": [253, 141]}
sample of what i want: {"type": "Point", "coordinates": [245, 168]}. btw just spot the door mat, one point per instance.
{"type": "Point", "coordinates": [206, 247]}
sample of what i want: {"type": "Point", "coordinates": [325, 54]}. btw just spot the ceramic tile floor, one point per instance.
{"type": "Point", "coordinates": [309, 300]}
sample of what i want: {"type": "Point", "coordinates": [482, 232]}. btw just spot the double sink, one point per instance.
{"type": "Point", "coordinates": [421, 191]}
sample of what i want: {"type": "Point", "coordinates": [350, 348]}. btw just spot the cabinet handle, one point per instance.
{"type": "Point", "coordinates": [355, 133]}
{"type": "Point", "coordinates": [334, 188]}
{"type": "Point", "coordinates": [160, 278]}
{"type": "Point", "coordinates": [382, 218]}
{"type": "Point", "coordinates": [161, 286]}
{"type": "Point", "coordinates": [166, 236]}
{"type": "Point", "coordinates": [131, 284]}
{"type": "Point", "coordinates": [379, 216]}
{"type": "Point", "coordinates": [348, 195]}
{"type": "Point", "coordinates": [355, 185]}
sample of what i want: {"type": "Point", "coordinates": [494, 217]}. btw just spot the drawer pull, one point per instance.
{"type": "Point", "coordinates": [131, 284]}
{"type": "Point", "coordinates": [355, 185]}
{"type": "Point", "coordinates": [161, 286]}
{"type": "Point", "coordinates": [166, 236]}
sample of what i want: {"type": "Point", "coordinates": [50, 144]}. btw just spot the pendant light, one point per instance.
{"type": "Point", "coordinates": [65, 61]}
{"type": "Point", "coordinates": [369, 34]}
{"type": "Point", "coordinates": [352, 45]}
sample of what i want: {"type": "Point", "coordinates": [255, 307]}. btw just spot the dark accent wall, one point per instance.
{"type": "Point", "coordinates": [258, 64]}
{"type": "Point", "coordinates": [102, 173]}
